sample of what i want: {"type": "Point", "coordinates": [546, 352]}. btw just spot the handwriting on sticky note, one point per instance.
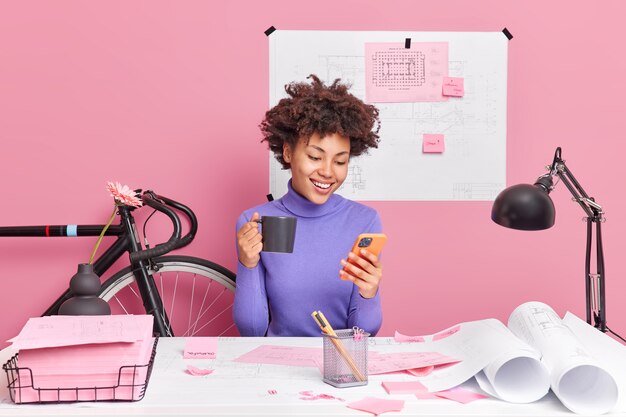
{"type": "Point", "coordinates": [453, 86]}
{"type": "Point", "coordinates": [200, 348]}
{"type": "Point", "coordinates": [447, 332]}
{"type": "Point", "coordinates": [433, 143]}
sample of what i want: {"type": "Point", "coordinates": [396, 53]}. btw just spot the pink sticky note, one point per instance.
{"type": "Point", "coordinates": [447, 332]}
{"type": "Point", "coordinates": [192, 370]}
{"type": "Point", "coordinates": [403, 387]}
{"type": "Point", "coordinates": [461, 395]}
{"type": "Point", "coordinates": [453, 86]}
{"type": "Point", "coordinates": [425, 395]}
{"type": "Point", "coordinates": [200, 348]}
{"type": "Point", "coordinates": [423, 371]}
{"type": "Point", "coordinates": [401, 338]}
{"type": "Point", "coordinates": [433, 143]}
{"type": "Point", "coordinates": [377, 406]}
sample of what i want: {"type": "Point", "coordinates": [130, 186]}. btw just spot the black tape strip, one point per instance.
{"type": "Point", "coordinates": [407, 43]}
{"type": "Point", "coordinates": [270, 197]}
{"type": "Point", "coordinates": [507, 33]}
{"type": "Point", "coordinates": [269, 31]}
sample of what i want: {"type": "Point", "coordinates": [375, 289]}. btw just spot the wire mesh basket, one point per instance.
{"type": "Point", "coordinates": [131, 385]}
{"type": "Point", "coordinates": [345, 358]}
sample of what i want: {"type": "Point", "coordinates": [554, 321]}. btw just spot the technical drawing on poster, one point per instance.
{"type": "Point", "coordinates": [473, 165]}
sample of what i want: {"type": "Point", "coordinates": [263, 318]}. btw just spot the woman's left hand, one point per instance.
{"type": "Point", "coordinates": [366, 275]}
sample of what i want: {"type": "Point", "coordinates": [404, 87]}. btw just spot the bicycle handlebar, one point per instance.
{"type": "Point", "coordinates": [163, 204]}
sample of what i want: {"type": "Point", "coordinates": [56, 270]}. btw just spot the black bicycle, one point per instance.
{"type": "Point", "coordinates": [187, 296]}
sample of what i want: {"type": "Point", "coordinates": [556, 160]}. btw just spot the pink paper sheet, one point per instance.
{"type": "Point", "coordinates": [379, 363]}
{"type": "Point", "coordinates": [52, 331]}
{"type": "Point", "coordinates": [396, 74]}
{"type": "Point", "coordinates": [283, 355]}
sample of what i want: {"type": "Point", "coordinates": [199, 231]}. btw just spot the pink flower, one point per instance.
{"type": "Point", "coordinates": [123, 194]}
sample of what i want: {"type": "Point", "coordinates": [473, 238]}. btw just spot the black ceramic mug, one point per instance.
{"type": "Point", "coordinates": [279, 233]}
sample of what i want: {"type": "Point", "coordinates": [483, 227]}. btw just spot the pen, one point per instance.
{"type": "Point", "coordinates": [321, 321]}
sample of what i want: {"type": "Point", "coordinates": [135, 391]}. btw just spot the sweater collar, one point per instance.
{"type": "Point", "coordinates": [302, 207]}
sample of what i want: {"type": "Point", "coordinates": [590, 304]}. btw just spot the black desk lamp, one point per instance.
{"type": "Point", "coordinates": [528, 207]}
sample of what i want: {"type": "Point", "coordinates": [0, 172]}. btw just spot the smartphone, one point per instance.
{"type": "Point", "coordinates": [372, 242]}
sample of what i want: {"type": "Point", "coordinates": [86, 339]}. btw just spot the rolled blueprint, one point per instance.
{"type": "Point", "coordinates": [517, 374]}
{"type": "Point", "coordinates": [576, 378]}
{"type": "Point", "coordinates": [504, 366]}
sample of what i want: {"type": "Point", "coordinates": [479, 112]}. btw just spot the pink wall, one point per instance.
{"type": "Point", "coordinates": [168, 96]}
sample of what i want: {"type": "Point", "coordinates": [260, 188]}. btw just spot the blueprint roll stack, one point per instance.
{"type": "Point", "coordinates": [517, 375]}
{"type": "Point", "coordinates": [576, 378]}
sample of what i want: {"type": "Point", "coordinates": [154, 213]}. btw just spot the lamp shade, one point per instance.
{"type": "Point", "coordinates": [524, 207]}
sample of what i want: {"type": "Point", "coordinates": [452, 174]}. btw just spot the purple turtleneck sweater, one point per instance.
{"type": "Point", "coordinates": [288, 287]}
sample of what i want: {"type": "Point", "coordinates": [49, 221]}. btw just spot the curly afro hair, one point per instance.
{"type": "Point", "coordinates": [325, 110]}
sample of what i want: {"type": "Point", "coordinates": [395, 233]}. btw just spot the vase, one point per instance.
{"type": "Point", "coordinates": [85, 285]}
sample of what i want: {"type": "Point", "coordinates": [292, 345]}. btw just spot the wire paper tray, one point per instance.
{"type": "Point", "coordinates": [132, 382]}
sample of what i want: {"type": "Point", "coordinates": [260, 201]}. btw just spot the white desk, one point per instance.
{"type": "Point", "coordinates": [241, 389]}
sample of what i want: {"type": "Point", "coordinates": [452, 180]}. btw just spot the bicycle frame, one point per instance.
{"type": "Point", "coordinates": [127, 241]}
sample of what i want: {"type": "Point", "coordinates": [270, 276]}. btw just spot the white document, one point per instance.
{"type": "Point", "coordinates": [473, 165]}
{"type": "Point", "coordinates": [576, 378]}
{"type": "Point", "coordinates": [609, 352]}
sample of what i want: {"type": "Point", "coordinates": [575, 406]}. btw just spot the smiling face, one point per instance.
{"type": "Point", "coordinates": [318, 166]}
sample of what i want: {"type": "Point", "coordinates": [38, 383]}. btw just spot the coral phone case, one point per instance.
{"type": "Point", "coordinates": [372, 242]}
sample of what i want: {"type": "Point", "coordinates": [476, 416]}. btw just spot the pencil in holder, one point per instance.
{"type": "Point", "coordinates": [345, 358]}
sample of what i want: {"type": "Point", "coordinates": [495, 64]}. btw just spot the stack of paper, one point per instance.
{"type": "Point", "coordinates": [84, 353]}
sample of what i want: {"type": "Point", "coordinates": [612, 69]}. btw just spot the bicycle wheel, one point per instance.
{"type": "Point", "coordinates": [197, 295]}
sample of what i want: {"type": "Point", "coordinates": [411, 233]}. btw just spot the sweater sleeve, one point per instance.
{"type": "Point", "coordinates": [250, 310]}
{"type": "Point", "coordinates": [366, 313]}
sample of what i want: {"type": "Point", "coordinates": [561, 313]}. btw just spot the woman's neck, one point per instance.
{"type": "Point", "coordinates": [300, 206]}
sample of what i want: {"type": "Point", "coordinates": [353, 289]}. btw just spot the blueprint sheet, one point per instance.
{"type": "Point", "coordinates": [473, 166]}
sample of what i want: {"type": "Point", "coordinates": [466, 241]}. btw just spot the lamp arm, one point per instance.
{"type": "Point", "coordinates": [588, 204]}
{"type": "Point", "coordinates": [594, 282]}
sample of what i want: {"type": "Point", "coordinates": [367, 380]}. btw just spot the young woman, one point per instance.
{"type": "Point", "coordinates": [313, 132]}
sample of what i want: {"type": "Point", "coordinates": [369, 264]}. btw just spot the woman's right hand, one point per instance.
{"type": "Point", "coordinates": [249, 242]}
